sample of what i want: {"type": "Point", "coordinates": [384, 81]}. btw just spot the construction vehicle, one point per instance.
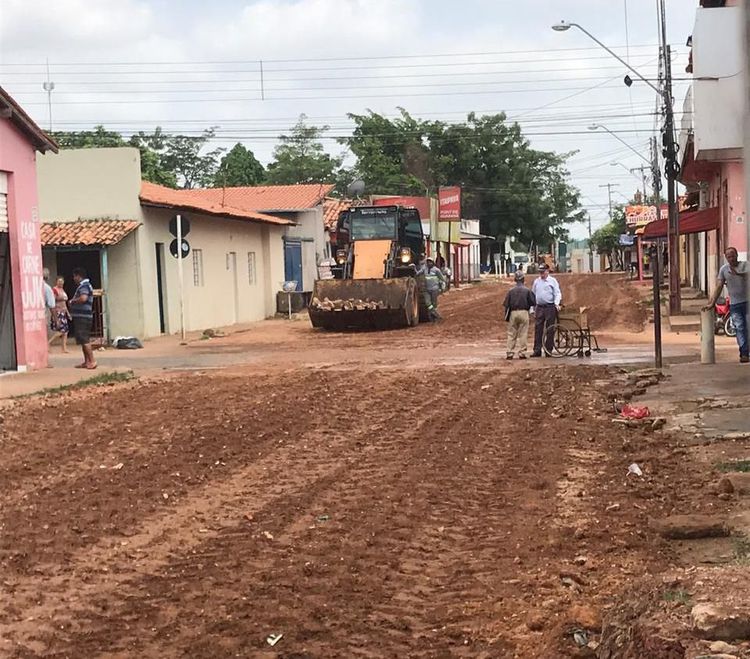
{"type": "Point", "coordinates": [375, 286]}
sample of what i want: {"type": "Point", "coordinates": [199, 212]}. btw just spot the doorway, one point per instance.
{"type": "Point", "coordinates": [7, 329]}
{"type": "Point", "coordinates": [161, 287]}
{"type": "Point", "coordinates": [293, 262]}
{"type": "Point", "coordinates": [232, 268]}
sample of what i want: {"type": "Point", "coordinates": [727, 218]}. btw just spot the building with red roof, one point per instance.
{"type": "Point", "coordinates": [242, 243]}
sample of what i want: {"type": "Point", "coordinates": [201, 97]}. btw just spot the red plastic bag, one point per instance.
{"type": "Point", "coordinates": [635, 412]}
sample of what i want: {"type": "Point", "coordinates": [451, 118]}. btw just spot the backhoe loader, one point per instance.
{"type": "Point", "coordinates": [375, 286]}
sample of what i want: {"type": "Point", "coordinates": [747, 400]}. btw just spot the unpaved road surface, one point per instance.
{"type": "Point", "coordinates": [358, 509]}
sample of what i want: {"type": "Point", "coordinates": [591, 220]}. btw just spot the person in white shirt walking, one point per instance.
{"type": "Point", "coordinates": [548, 299]}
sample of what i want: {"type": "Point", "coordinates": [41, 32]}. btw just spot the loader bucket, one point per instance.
{"type": "Point", "coordinates": [345, 304]}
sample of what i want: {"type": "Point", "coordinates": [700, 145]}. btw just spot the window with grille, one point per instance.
{"type": "Point", "coordinates": [198, 267]}
{"type": "Point", "coordinates": [251, 274]}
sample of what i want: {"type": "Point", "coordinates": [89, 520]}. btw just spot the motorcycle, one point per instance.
{"type": "Point", "coordinates": [724, 318]}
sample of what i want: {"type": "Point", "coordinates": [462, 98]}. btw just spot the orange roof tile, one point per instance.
{"type": "Point", "coordinates": [86, 232]}
{"type": "Point", "coordinates": [203, 201]}
{"type": "Point", "coordinates": [267, 198]}
{"type": "Point", "coordinates": [331, 209]}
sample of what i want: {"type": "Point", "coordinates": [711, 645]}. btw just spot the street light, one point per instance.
{"type": "Point", "coordinates": [672, 167]}
{"type": "Point", "coordinates": [564, 26]}
{"type": "Point", "coordinates": [622, 141]}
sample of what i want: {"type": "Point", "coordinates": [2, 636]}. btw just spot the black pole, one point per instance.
{"type": "Point", "coordinates": [656, 274]}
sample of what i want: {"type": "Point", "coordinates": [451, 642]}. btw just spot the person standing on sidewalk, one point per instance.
{"type": "Point", "coordinates": [548, 299]}
{"type": "Point", "coordinates": [82, 311]}
{"type": "Point", "coordinates": [518, 302]}
{"type": "Point", "coordinates": [733, 274]}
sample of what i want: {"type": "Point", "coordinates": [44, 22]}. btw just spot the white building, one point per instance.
{"type": "Point", "coordinates": [98, 214]}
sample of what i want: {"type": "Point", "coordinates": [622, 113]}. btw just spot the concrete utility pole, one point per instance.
{"type": "Point", "coordinates": [642, 169]}
{"type": "Point", "coordinates": [609, 187]}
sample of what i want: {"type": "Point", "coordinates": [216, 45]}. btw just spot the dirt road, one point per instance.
{"type": "Point", "coordinates": [357, 508]}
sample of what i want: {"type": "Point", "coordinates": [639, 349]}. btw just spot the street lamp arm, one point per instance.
{"type": "Point", "coordinates": [617, 137]}
{"type": "Point", "coordinates": [616, 56]}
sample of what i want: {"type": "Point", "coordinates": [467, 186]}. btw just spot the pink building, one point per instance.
{"type": "Point", "coordinates": [23, 329]}
{"type": "Point", "coordinates": [711, 139]}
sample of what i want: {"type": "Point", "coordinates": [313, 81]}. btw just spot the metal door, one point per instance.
{"type": "Point", "coordinates": [293, 262]}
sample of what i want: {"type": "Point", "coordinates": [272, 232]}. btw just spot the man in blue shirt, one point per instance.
{"type": "Point", "coordinates": [82, 310]}
{"type": "Point", "coordinates": [548, 299]}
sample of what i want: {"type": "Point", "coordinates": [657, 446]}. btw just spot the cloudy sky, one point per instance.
{"type": "Point", "coordinates": [186, 65]}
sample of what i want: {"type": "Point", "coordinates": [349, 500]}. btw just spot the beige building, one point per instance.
{"type": "Point", "coordinates": [98, 214]}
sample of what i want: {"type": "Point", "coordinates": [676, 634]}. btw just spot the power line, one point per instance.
{"type": "Point", "coordinates": [323, 79]}
{"type": "Point", "coordinates": [330, 59]}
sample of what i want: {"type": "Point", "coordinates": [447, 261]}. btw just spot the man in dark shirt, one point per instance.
{"type": "Point", "coordinates": [518, 302]}
{"type": "Point", "coordinates": [82, 310]}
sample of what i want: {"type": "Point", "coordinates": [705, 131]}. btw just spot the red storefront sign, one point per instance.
{"type": "Point", "coordinates": [422, 204]}
{"type": "Point", "coordinates": [449, 201]}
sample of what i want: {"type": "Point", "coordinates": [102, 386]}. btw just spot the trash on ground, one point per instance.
{"type": "Point", "coordinates": [273, 639]}
{"type": "Point", "coordinates": [580, 637]}
{"type": "Point", "coordinates": [127, 343]}
{"type": "Point", "coordinates": [635, 469]}
{"type": "Point", "coordinates": [635, 412]}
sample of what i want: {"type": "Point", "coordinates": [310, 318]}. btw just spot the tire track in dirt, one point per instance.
{"type": "Point", "coordinates": [377, 471]}
{"type": "Point", "coordinates": [168, 459]}
{"type": "Point", "coordinates": [192, 512]}
{"type": "Point", "coordinates": [284, 517]}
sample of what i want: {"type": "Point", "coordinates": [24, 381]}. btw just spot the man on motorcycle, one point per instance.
{"type": "Point", "coordinates": [733, 274]}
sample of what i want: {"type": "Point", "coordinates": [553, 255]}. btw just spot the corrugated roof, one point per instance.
{"type": "Point", "coordinates": [25, 123]}
{"type": "Point", "coordinates": [86, 232]}
{"type": "Point", "coordinates": [203, 201]}
{"type": "Point", "coordinates": [331, 209]}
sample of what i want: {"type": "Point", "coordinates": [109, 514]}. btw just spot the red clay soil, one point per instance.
{"type": "Point", "coordinates": [358, 512]}
{"type": "Point", "coordinates": [613, 301]}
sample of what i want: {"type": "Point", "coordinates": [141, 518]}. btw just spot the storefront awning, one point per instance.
{"type": "Point", "coordinates": [690, 222]}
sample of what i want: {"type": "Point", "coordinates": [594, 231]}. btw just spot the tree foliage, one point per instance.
{"type": "Point", "coordinates": [301, 158]}
{"type": "Point", "coordinates": [606, 240]}
{"type": "Point", "coordinates": [512, 189]}
{"type": "Point", "coordinates": [172, 160]}
{"type": "Point", "coordinates": [239, 167]}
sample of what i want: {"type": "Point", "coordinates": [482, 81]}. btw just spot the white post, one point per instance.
{"type": "Point", "coordinates": [708, 351]}
{"type": "Point", "coordinates": [179, 276]}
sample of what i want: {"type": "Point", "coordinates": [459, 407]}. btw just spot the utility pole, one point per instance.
{"type": "Point", "coordinates": [671, 169]}
{"type": "Point", "coordinates": [642, 169]}
{"type": "Point", "coordinates": [591, 249]}
{"type": "Point", "coordinates": [609, 187]}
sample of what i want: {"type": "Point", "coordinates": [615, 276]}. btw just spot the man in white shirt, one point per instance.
{"type": "Point", "coordinates": [548, 299]}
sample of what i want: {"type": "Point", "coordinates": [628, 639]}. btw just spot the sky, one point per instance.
{"type": "Point", "coordinates": [186, 66]}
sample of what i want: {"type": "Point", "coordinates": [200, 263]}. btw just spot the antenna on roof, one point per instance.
{"type": "Point", "coordinates": [49, 87]}
{"type": "Point", "coordinates": [356, 188]}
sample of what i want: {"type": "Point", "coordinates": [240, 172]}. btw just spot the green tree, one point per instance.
{"type": "Point", "coordinates": [606, 240]}
{"type": "Point", "coordinates": [99, 137]}
{"type": "Point", "coordinates": [300, 157]}
{"type": "Point", "coordinates": [239, 167]}
{"type": "Point", "coordinates": [151, 147]}
{"type": "Point", "coordinates": [512, 189]}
